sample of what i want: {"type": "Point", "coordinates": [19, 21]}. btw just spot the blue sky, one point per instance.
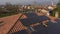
{"type": "Point", "coordinates": [26, 1]}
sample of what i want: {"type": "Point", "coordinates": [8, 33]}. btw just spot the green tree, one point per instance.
{"type": "Point", "coordinates": [57, 9]}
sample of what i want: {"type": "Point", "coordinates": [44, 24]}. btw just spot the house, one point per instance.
{"type": "Point", "coordinates": [12, 24]}
{"type": "Point", "coordinates": [52, 6]}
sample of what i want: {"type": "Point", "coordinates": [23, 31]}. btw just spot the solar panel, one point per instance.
{"type": "Point", "coordinates": [53, 28]}
{"type": "Point", "coordinates": [29, 15]}
{"type": "Point", "coordinates": [28, 21]}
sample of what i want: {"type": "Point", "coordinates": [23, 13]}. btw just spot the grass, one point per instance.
{"type": "Point", "coordinates": [7, 14]}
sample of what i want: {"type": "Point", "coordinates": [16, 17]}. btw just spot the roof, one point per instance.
{"type": "Point", "coordinates": [13, 23]}
{"type": "Point", "coordinates": [17, 27]}
{"type": "Point", "coordinates": [8, 21]}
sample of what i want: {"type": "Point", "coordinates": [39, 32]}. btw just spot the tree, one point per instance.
{"type": "Point", "coordinates": [57, 9]}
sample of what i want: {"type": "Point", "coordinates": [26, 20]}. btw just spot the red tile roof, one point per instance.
{"type": "Point", "coordinates": [9, 22]}
{"type": "Point", "coordinates": [17, 27]}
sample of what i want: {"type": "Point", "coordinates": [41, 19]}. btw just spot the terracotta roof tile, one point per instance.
{"type": "Point", "coordinates": [17, 27]}
{"type": "Point", "coordinates": [9, 22]}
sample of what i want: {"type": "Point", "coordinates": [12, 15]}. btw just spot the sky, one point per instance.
{"type": "Point", "coordinates": [27, 1]}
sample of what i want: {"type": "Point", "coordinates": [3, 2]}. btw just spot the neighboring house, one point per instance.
{"type": "Point", "coordinates": [51, 7]}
